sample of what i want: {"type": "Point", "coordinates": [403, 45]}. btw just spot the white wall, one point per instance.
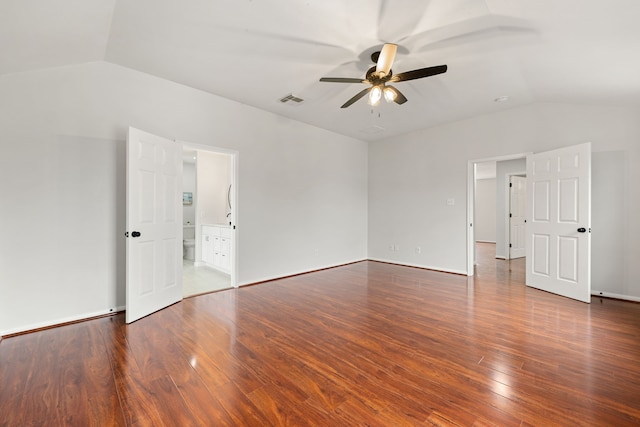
{"type": "Point", "coordinates": [504, 169]}
{"type": "Point", "coordinates": [412, 176]}
{"type": "Point", "coordinates": [302, 190]}
{"type": "Point", "coordinates": [485, 210]}
{"type": "Point", "coordinates": [610, 212]}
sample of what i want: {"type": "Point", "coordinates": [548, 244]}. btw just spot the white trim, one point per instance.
{"type": "Point", "coordinates": [471, 197]}
{"type": "Point", "coordinates": [616, 296]}
{"type": "Point", "coordinates": [63, 320]}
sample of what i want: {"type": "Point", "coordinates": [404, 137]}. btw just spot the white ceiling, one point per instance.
{"type": "Point", "coordinates": [258, 51]}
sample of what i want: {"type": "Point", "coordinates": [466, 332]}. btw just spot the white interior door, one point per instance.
{"type": "Point", "coordinates": [559, 226]}
{"type": "Point", "coordinates": [517, 216]}
{"type": "Point", "coordinates": [154, 224]}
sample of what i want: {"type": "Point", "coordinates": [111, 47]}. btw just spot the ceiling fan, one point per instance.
{"type": "Point", "coordinates": [380, 74]}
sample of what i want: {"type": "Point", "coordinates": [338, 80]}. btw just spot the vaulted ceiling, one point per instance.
{"type": "Point", "coordinates": [259, 51]}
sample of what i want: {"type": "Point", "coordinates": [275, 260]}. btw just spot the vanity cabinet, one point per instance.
{"type": "Point", "coordinates": [207, 245]}
{"type": "Point", "coordinates": [216, 247]}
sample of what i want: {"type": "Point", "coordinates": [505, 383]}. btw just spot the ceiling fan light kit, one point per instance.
{"type": "Point", "coordinates": [389, 94]}
{"type": "Point", "coordinates": [381, 74]}
{"type": "Point", "coordinates": [375, 94]}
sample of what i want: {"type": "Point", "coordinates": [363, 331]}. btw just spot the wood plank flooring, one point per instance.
{"type": "Point", "coordinates": [367, 344]}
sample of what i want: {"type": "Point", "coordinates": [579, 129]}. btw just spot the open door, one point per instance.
{"type": "Point", "coordinates": [517, 216]}
{"type": "Point", "coordinates": [559, 226]}
{"type": "Point", "coordinates": [154, 224]}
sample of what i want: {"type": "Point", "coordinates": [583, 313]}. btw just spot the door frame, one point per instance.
{"type": "Point", "coordinates": [471, 200]}
{"type": "Point", "coordinates": [234, 196]}
{"type": "Point", "coordinates": [507, 224]}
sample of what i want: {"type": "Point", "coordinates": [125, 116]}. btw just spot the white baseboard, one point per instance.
{"type": "Point", "coordinates": [616, 296]}
{"type": "Point", "coordinates": [61, 321]}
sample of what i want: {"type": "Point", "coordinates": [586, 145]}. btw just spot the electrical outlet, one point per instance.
{"type": "Point", "coordinates": [392, 248]}
{"type": "Point", "coordinates": [418, 250]}
{"type": "Point", "coordinates": [451, 202]}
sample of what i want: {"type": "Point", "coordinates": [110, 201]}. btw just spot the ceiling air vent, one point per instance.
{"type": "Point", "coordinates": [291, 97]}
{"type": "Point", "coordinates": [373, 129]}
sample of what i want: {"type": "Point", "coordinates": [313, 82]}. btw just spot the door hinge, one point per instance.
{"type": "Point", "coordinates": [510, 215]}
{"type": "Point", "coordinates": [510, 184]}
{"type": "Point", "coordinates": [509, 244]}
{"type": "Point", "coordinates": [126, 234]}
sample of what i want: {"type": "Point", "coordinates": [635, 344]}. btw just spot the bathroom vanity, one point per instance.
{"type": "Point", "coordinates": [216, 246]}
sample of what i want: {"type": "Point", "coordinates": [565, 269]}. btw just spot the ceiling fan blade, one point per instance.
{"type": "Point", "coordinates": [419, 73]}
{"type": "Point", "coordinates": [341, 80]}
{"type": "Point", "coordinates": [385, 60]}
{"type": "Point", "coordinates": [400, 98]}
{"type": "Point", "coordinates": [360, 94]}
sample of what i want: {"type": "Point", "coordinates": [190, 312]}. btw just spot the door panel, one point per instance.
{"type": "Point", "coordinates": [541, 201]}
{"type": "Point", "coordinates": [540, 255]}
{"type": "Point", "coordinates": [558, 255]}
{"type": "Point", "coordinates": [154, 210]}
{"type": "Point", "coordinates": [568, 255]}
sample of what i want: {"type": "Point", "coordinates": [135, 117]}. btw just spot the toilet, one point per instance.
{"type": "Point", "coordinates": [189, 242]}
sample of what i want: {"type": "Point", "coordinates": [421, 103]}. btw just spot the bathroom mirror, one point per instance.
{"type": "Point", "coordinates": [187, 198]}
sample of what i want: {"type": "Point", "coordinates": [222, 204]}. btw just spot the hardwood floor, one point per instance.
{"type": "Point", "coordinates": [365, 344]}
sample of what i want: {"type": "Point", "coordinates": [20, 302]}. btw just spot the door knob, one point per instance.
{"type": "Point", "coordinates": [135, 234]}
{"type": "Point", "coordinates": [580, 230]}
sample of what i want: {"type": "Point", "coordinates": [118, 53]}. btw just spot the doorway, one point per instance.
{"type": "Point", "coordinates": [209, 219]}
{"type": "Point", "coordinates": [558, 232]}
{"type": "Point", "coordinates": [485, 211]}
{"type": "Point", "coordinates": [500, 169]}
{"type": "Point", "coordinates": [155, 229]}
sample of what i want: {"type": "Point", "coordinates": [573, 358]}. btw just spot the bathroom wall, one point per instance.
{"type": "Point", "coordinates": [213, 171]}
{"type": "Point", "coordinates": [189, 185]}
